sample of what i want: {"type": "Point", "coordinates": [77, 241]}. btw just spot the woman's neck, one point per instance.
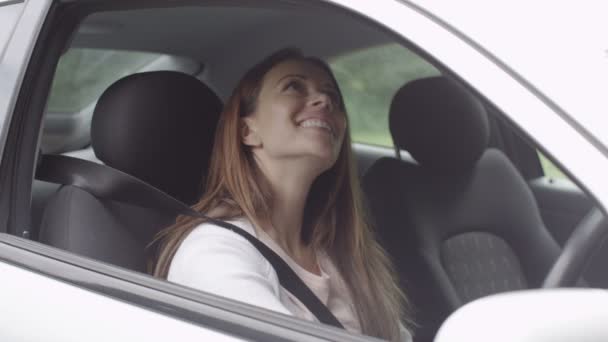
{"type": "Point", "coordinates": [290, 187]}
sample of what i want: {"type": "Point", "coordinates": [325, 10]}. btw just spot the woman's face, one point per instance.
{"type": "Point", "coordinates": [297, 115]}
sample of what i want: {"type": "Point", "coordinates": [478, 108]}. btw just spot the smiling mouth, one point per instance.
{"type": "Point", "coordinates": [316, 123]}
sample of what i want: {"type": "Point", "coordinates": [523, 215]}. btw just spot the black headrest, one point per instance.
{"type": "Point", "coordinates": [439, 123]}
{"type": "Point", "coordinates": [159, 127]}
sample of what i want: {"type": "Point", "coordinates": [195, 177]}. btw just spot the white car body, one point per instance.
{"type": "Point", "coordinates": [480, 45]}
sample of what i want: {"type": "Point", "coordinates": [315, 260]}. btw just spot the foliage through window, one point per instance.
{"type": "Point", "coordinates": [368, 79]}
{"type": "Point", "coordinates": [83, 74]}
{"type": "Point", "coordinates": [551, 170]}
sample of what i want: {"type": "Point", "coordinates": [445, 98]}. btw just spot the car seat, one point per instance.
{"type": "Point", "coordinates": [461, 222]}
{"type": "Point", "coordinates": [156, 126]}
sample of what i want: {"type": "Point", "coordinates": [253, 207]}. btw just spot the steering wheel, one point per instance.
{"type": "Point", "coordinates": [582, 244]}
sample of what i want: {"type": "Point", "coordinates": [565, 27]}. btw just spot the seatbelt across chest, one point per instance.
{"type": "Point", "coordinates": [108, 183]}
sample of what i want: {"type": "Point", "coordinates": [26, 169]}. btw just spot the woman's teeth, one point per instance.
{"type": "Point", "coordinates": [317, 123]}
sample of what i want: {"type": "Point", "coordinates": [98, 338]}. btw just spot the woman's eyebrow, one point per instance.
{"type": "Point", "coordinates": [292, 75]}
{"type": "Point", "coordinates": [304, 77]}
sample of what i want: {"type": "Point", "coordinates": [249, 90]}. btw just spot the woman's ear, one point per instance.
{"type": "Point", "coordinates": [249, 135]}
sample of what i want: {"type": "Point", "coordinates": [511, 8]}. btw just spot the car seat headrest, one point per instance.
{"type": "Point", "coordinates": [442, 125]}
{"type": "Point", "coordinates": [159, 127]}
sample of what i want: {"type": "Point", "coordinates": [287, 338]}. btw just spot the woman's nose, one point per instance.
{"type": "Point", "coordinates": [322, 100]}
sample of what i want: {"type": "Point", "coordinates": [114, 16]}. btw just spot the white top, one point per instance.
{"type": "Point", "coordinates": [216, 260]}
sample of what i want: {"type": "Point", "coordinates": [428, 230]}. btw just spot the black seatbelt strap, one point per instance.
{"type": "Point", "coordinates": [108, 183]}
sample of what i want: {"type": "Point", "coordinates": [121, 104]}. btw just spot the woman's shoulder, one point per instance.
{"type": "Point", "coordinates": [215, 259]}
{"type": "Point", "coordinates": [209, 243]}
{"type": "Point", "coordinates": [209, 229]}
{"type": "Point", "coordinates": [208, 237]}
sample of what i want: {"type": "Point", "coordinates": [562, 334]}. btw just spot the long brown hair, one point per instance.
{"type": "Point", "coordinates": [334, 215]}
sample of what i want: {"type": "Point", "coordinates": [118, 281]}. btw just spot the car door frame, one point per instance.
{"type": "Point", "coordinates": [552, 129]}
{"type": "Point", "coordinates": [484, 73]}
{"type": "Point", "coordinates": [14, 62]}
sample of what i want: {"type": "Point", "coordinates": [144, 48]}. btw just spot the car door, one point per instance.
{"type": "Point", "coordinates": [11, 11]}
{"type": "Point", "coordinates": [40, 308]}
{"type": "Point", "coordinates": [19, 30]}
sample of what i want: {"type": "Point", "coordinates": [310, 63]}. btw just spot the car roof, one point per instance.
{"type": "Point", "coordinates": [228, 39]}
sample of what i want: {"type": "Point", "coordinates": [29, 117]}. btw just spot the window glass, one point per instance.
{"type": "Point", "coordinates": [83, 74]}
{"type": "Point", "coordinates": [551, 170]}
{"type": "Point", "coordinates": [368, 79]}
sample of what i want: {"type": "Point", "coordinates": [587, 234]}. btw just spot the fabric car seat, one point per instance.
{"type": "Point", "coordinates": [157, 126]}
{"type": "Point", "coordinates": [461, 223]}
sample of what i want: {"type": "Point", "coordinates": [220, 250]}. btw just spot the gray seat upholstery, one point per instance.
{"type": "Point", "coordinates": [461, 223]}
{"type": "Point", "coordinates": [156, 126]}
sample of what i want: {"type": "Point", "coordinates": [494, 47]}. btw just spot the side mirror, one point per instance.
{"type": "Point", "coordinates": [556, 315]}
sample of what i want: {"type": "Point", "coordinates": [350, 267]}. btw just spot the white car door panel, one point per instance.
{"type": "Point", "coordinates": [10, 11]}
{"type": "Point", "coordinates": [67, 313]}
{"type": "Point", "coordinates": [81, 287]}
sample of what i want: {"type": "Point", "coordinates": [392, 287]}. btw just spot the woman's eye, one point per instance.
{"type": "Point", "coordinates": [293, 85]}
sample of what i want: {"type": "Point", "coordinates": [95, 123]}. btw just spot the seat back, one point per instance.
{"type": "Point", "coordinates": [156, 126]}
{"type": "Point", "coordinates": [461, 223]}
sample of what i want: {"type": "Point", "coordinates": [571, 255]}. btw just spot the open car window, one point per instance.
{"type": "Point", "coordinates": [551, 170]}
{"type": "Point", "coordinates": [81, 77]}
{"type": "Point", "coordinates": [83, 74]}
{"type": "Point", "coordinates": [368, 79]}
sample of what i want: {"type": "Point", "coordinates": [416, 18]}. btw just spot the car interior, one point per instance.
{"type": "Point", "coordinates": [464, 202]}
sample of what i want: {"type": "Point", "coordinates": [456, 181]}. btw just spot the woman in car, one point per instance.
{"type": "Point", "coordinates": [282, 170]}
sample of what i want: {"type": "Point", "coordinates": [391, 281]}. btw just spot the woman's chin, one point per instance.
{"type": "Point", "coordinates": [322, 159]}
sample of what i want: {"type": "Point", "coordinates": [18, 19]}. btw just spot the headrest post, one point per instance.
{"type": "Point", "coordinates": [397, 152]}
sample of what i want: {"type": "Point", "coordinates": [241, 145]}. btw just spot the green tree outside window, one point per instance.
{"type": "Point", "coordinates": [368, 79]}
